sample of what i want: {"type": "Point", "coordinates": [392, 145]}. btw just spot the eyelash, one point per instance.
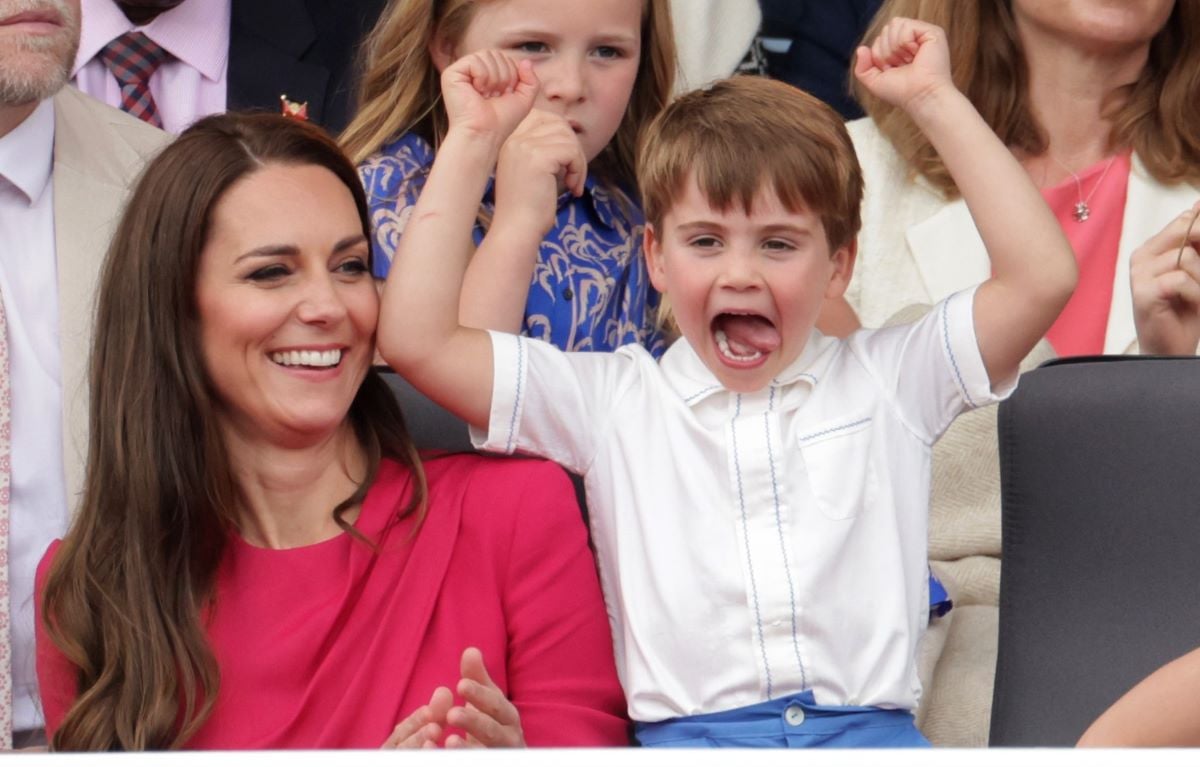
{"type": "Point", "coordinates": [353, 266]}
{"type": "Point", "coordinates": [604, 51]}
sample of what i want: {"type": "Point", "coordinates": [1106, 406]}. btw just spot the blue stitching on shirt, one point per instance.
{"type": "Point", "coordinates": [512, 424]}
{"type": "Point", "coordinates": [787, 570]}
{"type": "Point", "coordinates": [953, 362]}
{"type": "Point", "coordinates": [859, 422]}
{"type": "Point", "coordinates": [737, 467]}
{"type": "Point", "coordinates": [694, 397]}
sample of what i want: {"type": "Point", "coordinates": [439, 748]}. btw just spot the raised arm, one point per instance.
{"type": "Point", "coordinates": [540, 155]}
{"type": "Point", "coordinates": [1033, 267]}
{"type": "Point", "coordinates": [486, 95]}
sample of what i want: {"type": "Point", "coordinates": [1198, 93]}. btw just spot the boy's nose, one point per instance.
{"type": "Point", "coordinates": [562, 79]}
{"type": "Point", "coordinates": [739, 272]}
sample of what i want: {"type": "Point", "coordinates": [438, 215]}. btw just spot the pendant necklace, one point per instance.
{"type": "Point", "coordinates": [1082, 211]}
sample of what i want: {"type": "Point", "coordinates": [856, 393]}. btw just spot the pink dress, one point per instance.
{"type": "Point", "coordinates": [331, 645]}
{"type": "Point", "coordinates": [1081, 326]}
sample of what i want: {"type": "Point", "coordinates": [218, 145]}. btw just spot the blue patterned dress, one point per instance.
{"type": "Point", "coordinates": [590, 289]}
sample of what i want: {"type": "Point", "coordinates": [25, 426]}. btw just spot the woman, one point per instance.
{"type": "Point", "coordinates": [260, 558]}
{"type": "Point", "coordinates": [1097, 99]}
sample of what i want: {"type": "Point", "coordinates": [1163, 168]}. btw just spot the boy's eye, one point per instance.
{"type": "Point", "coordinates": [704, 241]}
{"type": "Point", "coordinates": [778, 245]}
{"type": "Point", "coordinates": [269, 273]}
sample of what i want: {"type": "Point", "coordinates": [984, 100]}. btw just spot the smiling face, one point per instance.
{"type": "Point", "coordinates": [745, 286]}
{"type": "Point", "coordinates": [38, 40]}
{"type": "Point", "coordinates": [286, 303]}
{"type": "Point", "coordinates": [585, 54]}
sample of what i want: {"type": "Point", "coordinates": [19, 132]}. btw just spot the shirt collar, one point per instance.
{"type": "Point", "coordinates": [694, 382]}
{"type": "Point", "coordinates": [27, 152]}
{"type": "Point", "coordinates": [196, 32]}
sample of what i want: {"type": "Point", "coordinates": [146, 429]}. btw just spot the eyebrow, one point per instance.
{"type": "Point", "coordinates": [294, 250]}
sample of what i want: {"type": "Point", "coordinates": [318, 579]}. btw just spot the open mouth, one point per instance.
{"type": "Point", "coordinates": [744, 338]}
{"type": "Point", "coordinates": [308, 359]}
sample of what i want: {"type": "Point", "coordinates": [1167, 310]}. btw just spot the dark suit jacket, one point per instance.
{"type": "Point", "coordinates": [824, 35]}
{"type": "Point", "coordinates": [306, 49]}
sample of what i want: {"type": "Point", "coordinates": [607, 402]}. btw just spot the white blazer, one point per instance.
{"type": "Point", "coordinates": [917, 248]}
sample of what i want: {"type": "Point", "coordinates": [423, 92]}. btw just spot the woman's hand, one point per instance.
{"type": "Point", "coordinates": [489, 718]}
{"type": "Point", "coordinates": [423, 727]}
{"type": "Point", "coordinates": [542, 156]}
{"type": "Point", "coordinates": [1166, 288]}
{"type": "Point", "coordinates": [488, 93]}
{"type": "Point", "coordinates": [907, 62]}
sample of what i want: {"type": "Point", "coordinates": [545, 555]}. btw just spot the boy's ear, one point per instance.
{"type": "Point", "coordinates": [843, 269]}
{"type": "Point", "coordinates": [652, 249]}
{"type": "Point", "coordinates": [441, 51]}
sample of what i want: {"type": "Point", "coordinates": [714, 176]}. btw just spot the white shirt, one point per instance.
{"type": "Point", "coordinates": [29, 288]}
{"type": "Point", "coordinates": [191, 85]}
{"type": "Point", "coordinates": [754, 545]}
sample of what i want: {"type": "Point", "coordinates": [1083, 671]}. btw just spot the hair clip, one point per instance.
{"type": "Point", "coordinates": [296, 110]}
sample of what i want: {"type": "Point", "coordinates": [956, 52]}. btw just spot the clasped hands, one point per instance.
{"type": "Point", "coordinates": [488, 718]}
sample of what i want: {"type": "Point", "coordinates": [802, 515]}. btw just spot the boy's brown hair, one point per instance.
{"type": "Point", "coordinates": [742, 132]}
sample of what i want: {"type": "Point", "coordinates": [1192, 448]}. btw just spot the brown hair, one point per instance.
{"type": "Point", "coordinates": [400, 90]}
{"type": "Point", "coordinates": [125, 595]}
{"type": "Point", "coordinates": [1156, 115]}
{"type": "Point", "coordinates": [743, 132]}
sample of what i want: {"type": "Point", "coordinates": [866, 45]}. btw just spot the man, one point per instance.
{"type": "Point", "coordinates": [66, 162]}
{"type": "Point", "coordinates": [212, 55]}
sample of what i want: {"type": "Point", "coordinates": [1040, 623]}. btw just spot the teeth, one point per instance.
{"type": "Point", "coordinates": [723, 343]}
{"type": "Point", "coordinates": [308, 359]}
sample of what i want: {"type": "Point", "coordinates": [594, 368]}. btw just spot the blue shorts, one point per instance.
{"type": "Point", "coordinates": [794, 721]}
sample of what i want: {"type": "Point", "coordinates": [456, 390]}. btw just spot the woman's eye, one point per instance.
{"type": "Point", "coordinates": [269, 273]}
{"type": "Point", "coordinates": [353, 266]}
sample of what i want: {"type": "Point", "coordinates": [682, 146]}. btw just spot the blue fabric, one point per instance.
{"type": "Point", "coordinates": [590, 289]}
{"type": "Point", "coordinates": [940, 602]}
{"type": "Point", "coordinates": [773, 725]}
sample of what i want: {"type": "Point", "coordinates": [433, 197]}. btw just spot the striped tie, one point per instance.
{"type": "Point", "coordinates": [133, 58]}
{"type": "Point", "coordinates": [5, 470]}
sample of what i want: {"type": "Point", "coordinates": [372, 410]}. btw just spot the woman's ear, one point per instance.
{"type": "Point", "coordinates": [441, 51]}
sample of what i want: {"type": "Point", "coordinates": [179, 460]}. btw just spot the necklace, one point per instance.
{"type": "Point", "coordinates": [1082, 211]}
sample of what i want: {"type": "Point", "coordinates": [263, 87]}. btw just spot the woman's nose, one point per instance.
{"type": "Point", "coordinates": [321, 302]}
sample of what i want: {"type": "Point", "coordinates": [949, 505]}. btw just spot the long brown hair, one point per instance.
{"type": "Point", "coordinates": [1157, 115]}
{"type": "Point", "coordinates": [400, 90]}
{"type": "Point", "coordinates": [125, 596]}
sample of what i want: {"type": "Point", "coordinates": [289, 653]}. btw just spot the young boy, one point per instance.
{"type": "Point", "coordinates": [758, 500]}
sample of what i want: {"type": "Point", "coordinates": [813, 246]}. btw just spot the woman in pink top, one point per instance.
{"type": "Point", "coordinates": [260, 558]}
{"type": "Point", "coordinates": [1097, 100]}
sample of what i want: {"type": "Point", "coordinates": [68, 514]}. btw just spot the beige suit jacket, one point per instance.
{"type": "Point", "coordinates": [98, 152]}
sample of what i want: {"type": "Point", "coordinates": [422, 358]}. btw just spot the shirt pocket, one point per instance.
{"type": "Point", "coordinates": [837, 455]}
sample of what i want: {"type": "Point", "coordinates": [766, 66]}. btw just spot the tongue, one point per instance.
{"type": "Point", "coordinates": [749, 333]}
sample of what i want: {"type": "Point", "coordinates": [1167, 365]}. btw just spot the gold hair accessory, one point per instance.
{"type": "Point", "coordinates": [296, 110]}
{"type": "Point", "coordinates": [1187, 237]}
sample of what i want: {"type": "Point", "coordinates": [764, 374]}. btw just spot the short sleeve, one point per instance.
{"type": "Point", "coordinates": [933, 366]}
{"type": "Point", "coordinates": [552, 403]}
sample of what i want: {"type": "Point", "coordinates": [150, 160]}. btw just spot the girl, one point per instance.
{"type": "Point", "coordinates": [606, 67]}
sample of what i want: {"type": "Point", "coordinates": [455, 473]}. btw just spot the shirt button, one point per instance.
{"type": "Point", "coordinates": [568, 294]}
{"type": "Point", "coordinates": [794, 715]}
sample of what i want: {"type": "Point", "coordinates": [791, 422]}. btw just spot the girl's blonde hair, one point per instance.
{"type": "Point", "coordinates": [1157, 115]}
{"type": "Point", "coordinates": [400, 89]}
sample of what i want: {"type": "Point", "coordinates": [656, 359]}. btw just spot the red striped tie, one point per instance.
{"type": "Point", "coordinates": [132, 58]}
